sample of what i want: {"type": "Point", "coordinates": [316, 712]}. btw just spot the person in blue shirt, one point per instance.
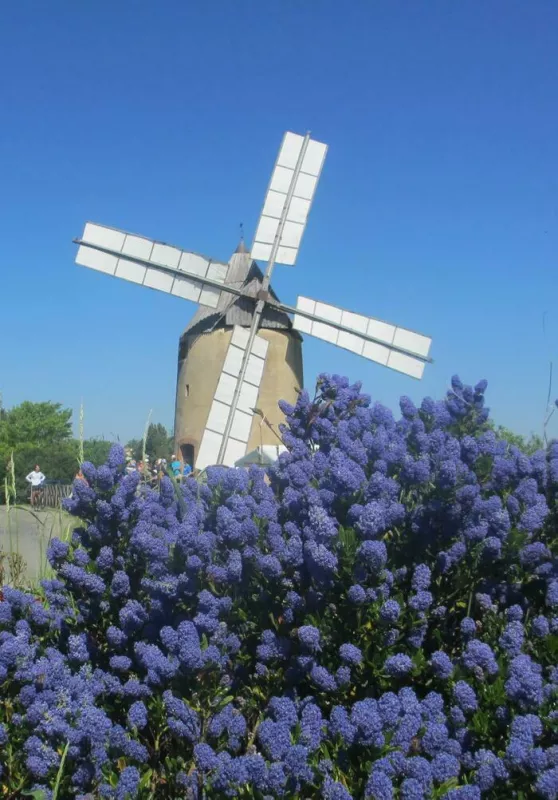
{"type": "Point", "coordinates": [175, 466]}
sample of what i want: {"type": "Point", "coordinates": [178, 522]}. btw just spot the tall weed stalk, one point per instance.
{"type": "Point", "coordinates": [81, 456]}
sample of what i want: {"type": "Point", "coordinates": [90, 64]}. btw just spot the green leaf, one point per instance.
{"type": "Point", "coordinates": [446, 786]}
{"type": "Point", "coordinates": [60, 772]}
{"type": "Point", "coordinates": [146, 779]}
{"type": "Point", "coordinates": [224, 701]}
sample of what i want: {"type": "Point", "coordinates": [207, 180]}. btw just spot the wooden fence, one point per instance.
{"type": "Point", "coordinates": [55, 493]}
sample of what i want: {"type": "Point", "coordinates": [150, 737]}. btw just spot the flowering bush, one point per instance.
{"type": "Point", "coordinates": [377, 618]}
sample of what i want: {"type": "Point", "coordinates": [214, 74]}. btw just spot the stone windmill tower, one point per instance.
{"type": "Point", "coordinates": [241, 353]}
{"type": "Point", "coordinates": [203, 348]}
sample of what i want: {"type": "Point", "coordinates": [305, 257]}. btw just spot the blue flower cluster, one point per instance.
{"type": "Point", "coordinates": [374, 617]}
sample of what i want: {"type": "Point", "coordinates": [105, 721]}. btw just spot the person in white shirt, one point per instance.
{"type": "Point", "coordinates": [35, 478]}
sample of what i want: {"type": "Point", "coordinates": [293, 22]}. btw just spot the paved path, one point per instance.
{"type": "Point", "coordinates": [29, 533]}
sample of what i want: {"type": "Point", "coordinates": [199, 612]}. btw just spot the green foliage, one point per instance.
{"type": "Point", "coordinates": [35, 423]}
{"type": "Point", "coordinates": [40, 433]}
{"type": "Point", "coordinates": [57, 461]}
{"type": "Point", "coordinates": [158, 444]}
{"type": "Point", "coordinates": [136, 446]}
{"type": "Point", "coordinates": [96, 451]}
{"type": "Point", "coordinates": [527, 445]}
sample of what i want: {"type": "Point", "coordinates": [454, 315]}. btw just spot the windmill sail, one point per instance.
{"type": "Point", "coordinates": [221, 406]}
{"type": "Point", "coordinates": [394, 347]}
{"type": "Point", "coordinates": [301, 161]}
{"type": "Point", "coordinates": [152, 264]}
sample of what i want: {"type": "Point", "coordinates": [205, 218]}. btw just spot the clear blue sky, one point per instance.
{"type": "Point", "coordinates": [437, 208]}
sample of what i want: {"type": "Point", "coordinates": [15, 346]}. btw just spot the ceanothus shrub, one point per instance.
{"type": "Point", "coordinates": [377, 617]}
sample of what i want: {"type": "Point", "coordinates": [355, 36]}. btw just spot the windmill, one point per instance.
{"type": "Point", "coordinates": [241, 352]}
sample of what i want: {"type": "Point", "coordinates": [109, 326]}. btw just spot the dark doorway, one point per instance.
{"type": "Point", "coordinates": [187, 451]}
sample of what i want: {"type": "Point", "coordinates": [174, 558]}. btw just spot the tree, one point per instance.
{"type": "Point", "coordinates": [96, 451]}
{"type": "Point", "coordinates": [158, 443]}
{"type": "Point", "coordinates": [41, 433]}
{"type": "Point", "coordinates": [36, 424]}
{"type": "Point", "coordinates": [136, 446]}
{"type": "Point", "coordinates": [57, 462]}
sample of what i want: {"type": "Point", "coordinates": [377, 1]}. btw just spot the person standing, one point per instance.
{"type": "Point", "coordinates": [81, 477]}
{"type": "Point", "coordinates": [175, 466]}
{"type": "Point", "coordinates": [36, 479]}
